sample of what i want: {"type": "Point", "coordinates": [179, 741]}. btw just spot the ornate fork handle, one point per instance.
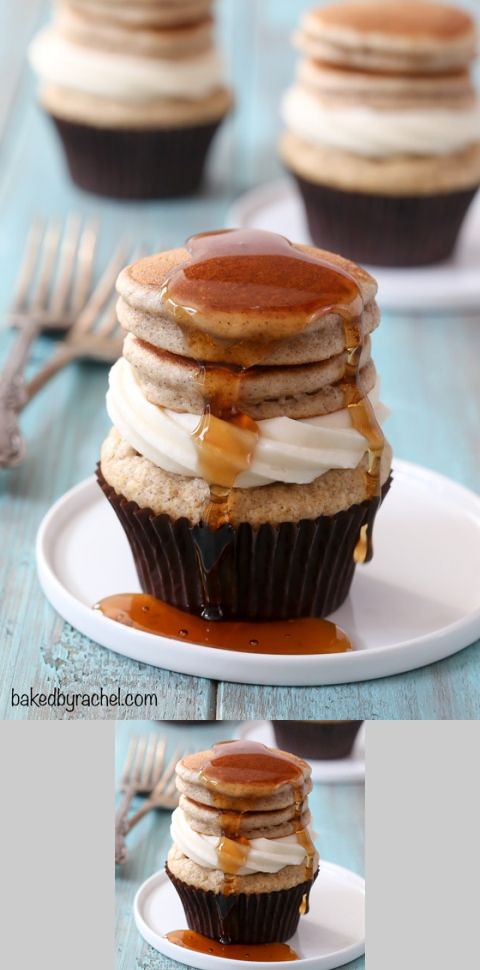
{"type": "Point", "coordinates": [13, 396]}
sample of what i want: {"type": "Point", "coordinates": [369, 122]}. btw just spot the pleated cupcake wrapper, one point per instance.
{"type": "Point", "coordinates": [131, 164]}
{"type": "Point", "coordinates": [245, 917]}
{"type": "Point", "coordinates": [273, 572]}
{"type": "Point", "coordinates": [322, 741]}
{"type": "Point", "coordinates": [385, 230]}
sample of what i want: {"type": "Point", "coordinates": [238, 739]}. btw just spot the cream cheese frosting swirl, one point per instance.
{"type": "Point", "coordinates": [123, 76]}
{"type": "Point", "coordinates": [288, 450]}
{"type": "Point", "coordinates": [264, 855]}
{"type": "Point", "coordinates": [378, 133]}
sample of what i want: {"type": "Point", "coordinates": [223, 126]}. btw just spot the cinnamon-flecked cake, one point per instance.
{"type": "Point", "coordinates": [243, 859]}
{"type": "Point", "coordinates": [246, 460]}
{"type": "Point", "coordinates": [136, 91]}
{"type": "Point", "coordinates": [383, 128]}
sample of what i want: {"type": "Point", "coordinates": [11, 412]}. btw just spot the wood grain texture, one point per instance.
{"type": "Point", "coordinates": [429, 368]}
{"type": "Point", "coordinates": [337, 811]}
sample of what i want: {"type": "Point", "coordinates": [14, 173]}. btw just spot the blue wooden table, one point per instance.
{"type": "Point", "coordinates": [429, 369]}
{"type": "Point", "coordinates": [337, 812]}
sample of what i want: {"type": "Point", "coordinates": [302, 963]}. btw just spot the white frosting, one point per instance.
{"type": "Point", "coordinates": [264, 855]}
{"type": "Point", "coordinates": [287, 450]}
{"type": "Point", "coordinates": [123, 76]}
{"type": "Point", "coordinates": [375, 133]}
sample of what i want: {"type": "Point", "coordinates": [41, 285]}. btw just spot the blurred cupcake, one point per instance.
{"type": "Point", "coordinates": [243, 859]}
{"type": "Point", "coordinates": [136, 93]}
{"type": "Point", "coordinates": [246, 463]}
{"type": "Point", "coordinates": [383, 128]}
{"type": "Point", "coordinates": [319, 740]}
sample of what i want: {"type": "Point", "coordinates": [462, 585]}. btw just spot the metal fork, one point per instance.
{"type": "Point", "coordinates": [95, 334]}
{"type": "Point", "coordinates": [143, 774]}
{"type": "Point", "coordinates": [52, 286]}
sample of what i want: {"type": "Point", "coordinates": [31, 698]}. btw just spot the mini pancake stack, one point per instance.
{"type": "Point", "coordinates": [234, 463]}
{"type": "Point", "coordinates": [136, 92]}
{"type": "Point", "coordinates": [383, 128]}
{"type": "Point", "coordinates": [243, 861]}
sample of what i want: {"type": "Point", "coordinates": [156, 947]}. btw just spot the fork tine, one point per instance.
{"type": "Point", "coordinates": [128, 762]}
{"type": "Point", "coordinates": [102, 291]}
{"type": "Point", "coordinates": [85, 261]}
{"type": "Point", "coordinates": [24, 278]}
{"type": "Point", "coordinates": [109, 321]}
{"type": "Point", "coordinates": [68, 249]}
{"type": "Point", "coordinates": [157, 769]}
{"type": "Point", "coordinates": [47, 261]}
{"type": "Point", "coordinates": [166, 775]}
{"type": "Point", "coordinates": [137, 767]}
{"type": "Point", "coordinates": [148, 761]}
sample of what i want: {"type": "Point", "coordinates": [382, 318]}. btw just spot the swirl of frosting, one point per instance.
{"type": "Point", "coordinates": [287, 450]}
{"type": "Point", "coordinates": [378, 133]}
{"type": "Point", "coordinates": [264, 855]}
{"type": "Point", "coordinates": [123, 76]}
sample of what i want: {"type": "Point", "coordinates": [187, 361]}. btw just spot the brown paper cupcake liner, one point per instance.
{"type": "Point", "coordinates": [314, 739]}
{"type": "Point", "coordinates": [245, 917]}
{"type": "Point", "coordinates": [274, 572]}
{"type": "Point", "coordinates": [131, 164]}
{"type": "Point", "coordinates": [384, 230]}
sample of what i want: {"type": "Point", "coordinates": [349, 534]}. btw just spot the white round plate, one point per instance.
{"type": "Point", "coordinates": [337, 771]}
{"type": "Point", "coordinates": [416, 602]}
{"type": "Point", "coordinates": [455, 283]}
{"type": "Point", "coordinates": [330, 935]}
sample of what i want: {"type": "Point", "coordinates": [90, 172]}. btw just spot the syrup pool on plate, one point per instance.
{"type": "Point", "coordinates": [307, 635]}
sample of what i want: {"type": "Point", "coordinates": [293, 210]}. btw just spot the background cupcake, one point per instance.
{"type": "Point", "coordinates": [136, 92]}
{"type": "Point", "coordinates": [319, 740]}
{"type": "Point", "coordinates": [243, 488]}
{"type": "Point", "coordinates": [243, 860]}
{"type": "Point", "coordinates": [383, 128]}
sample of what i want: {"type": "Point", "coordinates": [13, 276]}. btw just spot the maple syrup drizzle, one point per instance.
{"type": "Point", "coordinates": [250, 271]}
{"type": "Point", "coordinates": [260, 770]}
{"type": "Point", "coordinates": [307, 635]}
{"type": "Point", "coordinates": [258, 952]}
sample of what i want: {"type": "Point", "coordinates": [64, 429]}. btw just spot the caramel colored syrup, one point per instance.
{"type": "Point", "coordinates": [308, 635]}
{"type": "Point", "coordinates": [232, 853]}
{"type": "Point", "coordinates": [260, 769]}
{"type": "Point", "coordinates": [258, 952]}
{"type": "Point", "coordinates": [364, 421]}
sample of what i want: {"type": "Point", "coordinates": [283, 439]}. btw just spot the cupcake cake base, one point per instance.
{"type": "Point", "coordinates": [267, 917]}
{"type": "Point", "coordinates": [136, 164]}
{"type": "Point", "coordinates": [274, 572]}
{"type": "Point", "coordinates": [385, 230]}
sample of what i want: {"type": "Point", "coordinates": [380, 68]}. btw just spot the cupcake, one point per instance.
{"type": "Point", "coordinates": [319, 740]}
{"type": "Point", "coordinates": [383, 128]}
{"type": "Point", "coordinates": [135, 91]}
{"type": "Point", "coordinates": [246, 461]}
{"type": "Point", "coordinates": [243, 859]}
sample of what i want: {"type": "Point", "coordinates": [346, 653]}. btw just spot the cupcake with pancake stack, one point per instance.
{"type": "Point", "coordinates": [243, 860]}
{"type": "Point", "coordinates": [246, 462]}
{"type": "Point", "coordinates": [136, 92]}
{"type": "Point", "coordinates": [383, 128]}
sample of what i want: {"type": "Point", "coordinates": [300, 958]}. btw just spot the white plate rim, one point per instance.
{"type": "Point", "coordinates": [410, 298]}
{"type": "Point", "coordinates": [306, 670]}
{"type": "Point", "coordinates": [209, 962]}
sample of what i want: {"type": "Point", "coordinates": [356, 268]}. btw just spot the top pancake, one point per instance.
{"type": "Point", "coordinates": [224, 330]}
{"type": "Point", "coordinates": [404, 35]}
{"type": "Point", "coordinates": [239, 793]}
